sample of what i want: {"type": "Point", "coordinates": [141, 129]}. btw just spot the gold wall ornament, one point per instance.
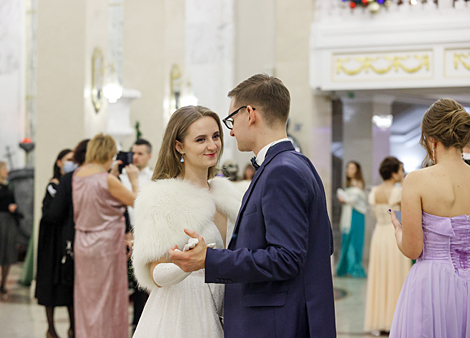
{"type": "Point", "coordinates": [175, 87]}
{"type": "Point", "coordinates": [395, 63]}
{"type": "Point", "coordinates": [97, 79]}
{"type": "Point", "coordinates": [459, 58]}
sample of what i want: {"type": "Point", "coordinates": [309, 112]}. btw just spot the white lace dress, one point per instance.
{"type": "Point", "coordinates": [186, 309]}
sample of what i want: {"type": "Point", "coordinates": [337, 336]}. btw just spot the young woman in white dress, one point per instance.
{"type": "Point", "coordinates": [183, 194]}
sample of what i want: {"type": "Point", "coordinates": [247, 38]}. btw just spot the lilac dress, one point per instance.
{"type": "Point", "coordinates": [100, 294]}
{"type": "Point", "coordinates": [435, 299]}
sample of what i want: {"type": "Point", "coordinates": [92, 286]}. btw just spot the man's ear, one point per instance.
{"type": "Point", "coordinates": [252, 115]}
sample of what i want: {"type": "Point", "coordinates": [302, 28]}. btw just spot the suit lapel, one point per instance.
{"type": "Point", "coordinates": [272, 152]}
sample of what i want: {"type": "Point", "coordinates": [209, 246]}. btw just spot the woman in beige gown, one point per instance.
{"type": "Point", "coordinates": [388, 267]}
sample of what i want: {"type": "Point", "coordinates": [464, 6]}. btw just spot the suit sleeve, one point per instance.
{"type": "Point", "coordinates": [285, 206]}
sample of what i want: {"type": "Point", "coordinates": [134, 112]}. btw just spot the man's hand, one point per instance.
{"type": "Point", "coordinates": [132, 172]}
{"type": "Point", "coordinates": [192, 260]}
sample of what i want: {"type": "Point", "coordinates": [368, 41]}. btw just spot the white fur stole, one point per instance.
{"type": "Point", "coordinates": [164, 208]}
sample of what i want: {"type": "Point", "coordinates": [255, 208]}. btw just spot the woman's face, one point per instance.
{"type": "Point", "coordinates": [3, 172]}
{"type": "Point", "coordinates": [351, 170]}
{"type": "Point", "coordinates": [64, 159]}
{"type": "Point", "coordinates": [201, 146]}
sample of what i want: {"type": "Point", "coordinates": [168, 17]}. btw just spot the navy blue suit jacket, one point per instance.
{"type": "Point", "coordinates": [277, 266]}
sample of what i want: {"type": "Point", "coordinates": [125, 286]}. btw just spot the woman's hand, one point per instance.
{"type": "Point", "coordinates": [12, 208]}
{"type": "Point", "coordinates": [115, 168]}
{"type": "Point", "coordinates": [398, 227]}
{"type": "Point", "coordinates": [342, 201]}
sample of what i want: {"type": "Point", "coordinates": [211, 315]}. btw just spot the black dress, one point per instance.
{"type": "Point", "coordinates": [53, 286]}
{"type": "Point", "coordinates": [8, 228]}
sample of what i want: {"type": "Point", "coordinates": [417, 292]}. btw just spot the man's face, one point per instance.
{"type": "Point", "coordinates": [240, 127]}
{"type": "Point", "coordinates": [141, 156]}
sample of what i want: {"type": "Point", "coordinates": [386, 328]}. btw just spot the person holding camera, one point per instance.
{"type": "Point", "coordinates": [140, 155]}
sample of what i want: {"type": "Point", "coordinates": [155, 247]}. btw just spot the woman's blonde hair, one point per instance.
{"type": "Point", "coordinates": [100, 149]}
{"type": "Point", "coordinates": [169, 163]}
{"type": "Point", "coordinates": [445, 121]}
{"type": "Point", "coordinates": [2, 163]}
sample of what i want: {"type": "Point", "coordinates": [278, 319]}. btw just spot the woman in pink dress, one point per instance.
{"type": "Point", "coordinates": [99, 200]}
{"type": "Point", "coordinates": [435, 298]}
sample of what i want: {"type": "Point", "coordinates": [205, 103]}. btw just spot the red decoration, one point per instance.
{"type": "Point", "coordinates": [352, 4]}
{"type": "Point", "coordinates": [365, 2]}
{"type": "Point", "coordinates": [27, 140]}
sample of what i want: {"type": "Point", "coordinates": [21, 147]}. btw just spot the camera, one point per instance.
{"type": "Point", "coordinates": [125, 158]}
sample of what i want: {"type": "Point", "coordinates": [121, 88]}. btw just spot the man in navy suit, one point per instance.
{"type": "Point", "coordinates": [277, 266]}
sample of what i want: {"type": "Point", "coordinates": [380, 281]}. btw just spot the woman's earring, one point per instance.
{"type": "Point", "coordinates": [433, 156]}
{"type": "Point", "coordinates": [182, 159]}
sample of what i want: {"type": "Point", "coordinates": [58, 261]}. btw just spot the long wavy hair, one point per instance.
{"type": "Point", "coordinates": [169, 163]}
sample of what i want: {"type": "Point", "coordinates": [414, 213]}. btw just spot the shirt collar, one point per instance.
{"type": "Point", "coordinates": [466, 156]}
{"type": "Point", "coordinates": [262, 153]}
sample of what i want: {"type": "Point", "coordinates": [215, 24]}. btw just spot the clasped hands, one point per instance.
{"type": "Point", "coordinates": [191, 260]}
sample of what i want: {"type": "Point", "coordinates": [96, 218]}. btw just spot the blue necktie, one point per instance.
{"type": "Point", "coordinates": [253, 162]}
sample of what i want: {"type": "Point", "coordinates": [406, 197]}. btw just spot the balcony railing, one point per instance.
{"type": "Point", "coordinates": [326, 10]}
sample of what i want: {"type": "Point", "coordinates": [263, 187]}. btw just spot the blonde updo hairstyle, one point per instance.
{"type": "Point", "coordinates": [169, 163]}
{"type": "Point", "coordinates": [445, 121]}
{"type": "Point", "coordinates": [100, 149]}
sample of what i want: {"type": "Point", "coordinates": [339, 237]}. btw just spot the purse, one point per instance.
{"type": "Point", "coordinates": [68, 265]}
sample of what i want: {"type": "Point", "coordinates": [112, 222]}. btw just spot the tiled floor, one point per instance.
{"type": "Point", "coordinates": [21, 317]}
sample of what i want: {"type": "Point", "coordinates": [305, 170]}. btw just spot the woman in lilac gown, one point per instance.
{"type": "Point", "coordinates": [99, 199]}
{"type": "Point", "coordinates": [435, 299]}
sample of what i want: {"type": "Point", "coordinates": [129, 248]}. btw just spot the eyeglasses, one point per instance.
{"type": "Point", "coordinates": [228, 121]}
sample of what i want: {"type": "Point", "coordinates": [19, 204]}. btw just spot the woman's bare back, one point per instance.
{"type": "Point", "coordinates": [445, 189]}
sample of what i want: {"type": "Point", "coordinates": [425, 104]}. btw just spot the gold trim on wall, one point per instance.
{"type": "Point", "coordinates": [459, 57]}
{"type": "Point", "coordinates": [396, 63]}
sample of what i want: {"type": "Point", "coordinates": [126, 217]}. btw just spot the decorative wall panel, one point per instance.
{"type": "Point", "coordinates": [387, 66]}
{"type": "Point", "coordinates": [457, 63]}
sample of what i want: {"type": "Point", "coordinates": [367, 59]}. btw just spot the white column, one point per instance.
{"type": "Point", "coordinates": [209, 68]}
{"type": "Point", "coordinates": [12, 80]}
{"type": "Point", "coordinates": [153, 41]}
{"type": "Point", "coordinates": [382, 105]}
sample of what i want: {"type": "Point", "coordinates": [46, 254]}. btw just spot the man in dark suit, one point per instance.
{"type": "Point", "coordinates": [466, 154]}
{"type": "Point", "coordinates": [277, 266]}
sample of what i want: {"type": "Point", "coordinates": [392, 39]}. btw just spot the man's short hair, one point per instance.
{"type": "Point", "coordinates": [141, 142]}
{"type": "Point", "coordinates": [267, 92]}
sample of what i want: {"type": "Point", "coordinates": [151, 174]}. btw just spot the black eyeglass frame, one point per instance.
{"type": "Point", "coordinates": [230, 117]}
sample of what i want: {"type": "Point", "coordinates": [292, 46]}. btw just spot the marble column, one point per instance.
{"type": "Point", "coordinates": [209, 65]}
{"type": "Point", "coordinates": [153, 41]}
{"type": "Point", "coordinates": [382, 105]}
{"type": "Point", "coordinates": [12, 81]}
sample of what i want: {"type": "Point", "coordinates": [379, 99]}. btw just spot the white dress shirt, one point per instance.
{"type": "Point", "coordinates": [262, 153]}
{"type": "Point", "coordinates": [145, 175]}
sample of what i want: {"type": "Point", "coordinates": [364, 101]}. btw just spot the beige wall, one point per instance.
{"type": "Point", "coordinates": [67, 34]}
